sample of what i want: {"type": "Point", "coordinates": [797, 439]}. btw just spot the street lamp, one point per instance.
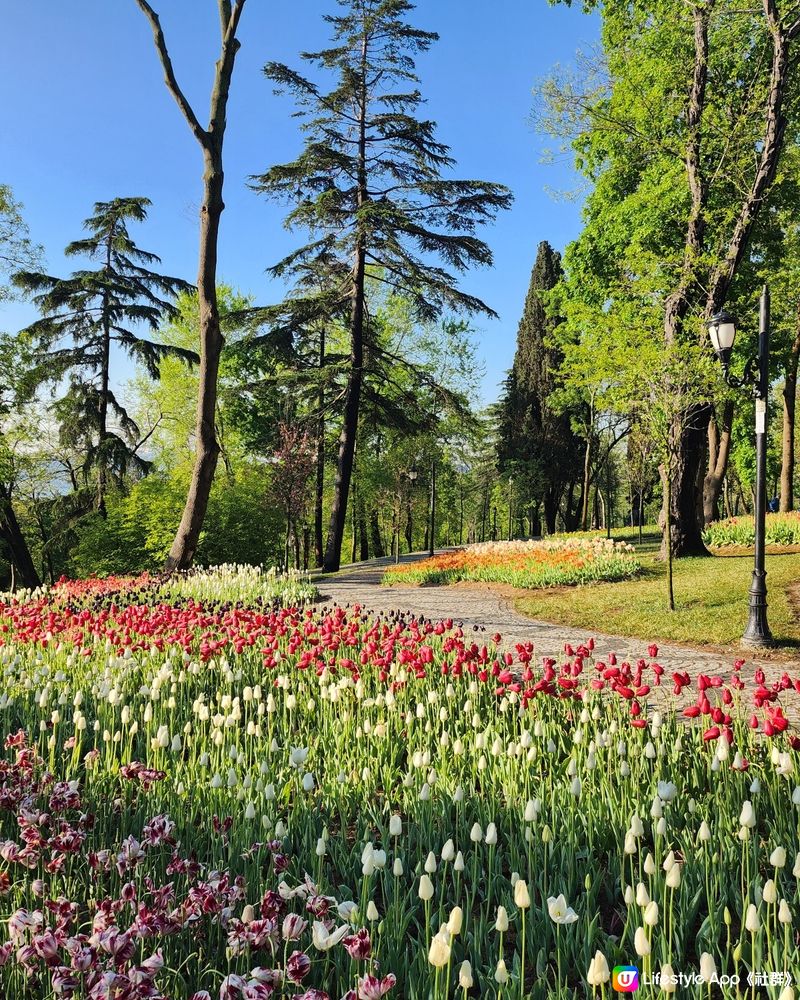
{"type": "Point", "coordinates": [510, 507]}
{"type": "Point", "coordinates": [722, 332]}
{"type": "Point", "coordinates": [412, 478]}
{"type": "Point", "coordinates": [432, 510]}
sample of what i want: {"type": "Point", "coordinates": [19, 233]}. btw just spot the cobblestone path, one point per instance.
{"type": "Point", "coordinates": [486, 612]}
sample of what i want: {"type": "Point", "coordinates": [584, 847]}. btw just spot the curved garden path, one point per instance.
{"type": "Point", "coordinates": [486, 611]}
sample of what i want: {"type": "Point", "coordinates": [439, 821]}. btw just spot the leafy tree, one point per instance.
{"type": "Point", "coordinates": [17, 252]}
{"type": "Point", "coordinates": [211, 141]}
{"type": "Point", "coordinates": [536, 440]}
{"type": "Point", "coordinates": [369, 189]}
{"type": "Point", "coordinates": [681, 133]}
{"type": "Point", "coordinates": [84, 316]}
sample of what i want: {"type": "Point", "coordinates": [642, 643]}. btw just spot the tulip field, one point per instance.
{"type": "Point", "coordinates": [781, 529]}
{"type": "Point", "coordinates": [209, 795]}
{"type": "Point", "coordinates": [528, 564]}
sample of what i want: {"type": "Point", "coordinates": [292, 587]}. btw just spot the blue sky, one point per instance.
{"type": "Point", "coordinates": [86, 117]}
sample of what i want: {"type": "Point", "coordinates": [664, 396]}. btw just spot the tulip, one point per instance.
{"type": "Point", "coordinates": [501, 923]}
{"type": "Point", "coordinates": [778, 857]}
{"type": "Point", "coordinates": [668, 981]}
{"type": "Point", "coordinates": [501, 973]}
{"type": "Point", "coordinates": [448, 851]}
{"type": "Point", "coordinates": [455, 921]}
{"type": "Point", "coordinates": [752, 921]}
{"type": "Point", "coordinates": [425, 888]}
{"type": "Point", "coordinates": [522, 899]}
{"type": "Point", "coordinates": [476, 833]}
{"type": "Point", "coordinates": [747, 817]}
{"type": "Point", "coordinates": [430, 863]}
{"type": "Point", "coordinates": [708, 968]}
{"type": "Point", "coordinates": [560, 912]}
{"type": "Point", "coordinates": [323, 939]}
{"type": "Point", "coordinates": [641, 942]}
{"type": "Point", "coordinates": [598, 972]}
{"type": "Point", "coordinates": [650, 915]}
{"type": "Point", "coordinates": [769, 893]}
{"type": "Point", "coordinates": [465, 980]}
{"type": "Point", "coordinates": [395, 826]}
{"type": "Point", "coordinates": [439, 952]}
{"type": "Point", "coordinates": [784, 913]}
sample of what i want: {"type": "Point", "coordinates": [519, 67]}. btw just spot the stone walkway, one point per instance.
{"type": "Point", "coordinates": [485, 612]}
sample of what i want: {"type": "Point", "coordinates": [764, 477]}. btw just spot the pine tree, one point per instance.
{"type": "Point", "coordinates": [535, 440]}
{"type": "Point", "coordinates": [369, 189]}
{"type": "Point", "coordinates": [83, 316]}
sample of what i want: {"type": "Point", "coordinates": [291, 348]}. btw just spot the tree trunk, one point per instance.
{"type": "Point", "coordinates": [347, 439]}
{"type": "Point", "coordinates": [207, 449]}
{"type": "Point", "coordinates": [105, 364]}
{"type": "Point", "coordinates": [550, 512]}
{"type": "Point", "coordinates": [719, 446]}
{"type": "Point", "coordinates": [587, 469]}
{"type": "Point", "coordinates": [363, 540]}
{"type": "Point", "coordinates": [789, 409]}
{"type": "Point", "coordinates": [320, 485]}
{"type": "Point", "coordinates": [211, 143]}
{"type": "Point", "coordinates": [687, 533]}
{"type": "Point", "coordinates": [375, 530]}
{"type": "Point", "coordinates": [11, 534]}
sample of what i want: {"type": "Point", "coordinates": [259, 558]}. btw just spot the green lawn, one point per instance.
{"type": "Point", "coordinates": [710, 596]}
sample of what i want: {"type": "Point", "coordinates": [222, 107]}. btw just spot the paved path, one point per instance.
{"type": "Point", "coordinates": [485, 611]}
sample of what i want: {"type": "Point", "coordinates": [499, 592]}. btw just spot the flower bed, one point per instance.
{"type": "Point", "coordinates": [203, 800]}
{"type": "Point", "coordinates": [781, 529]}
{"type": "Point", "coordinates": [548, 563]}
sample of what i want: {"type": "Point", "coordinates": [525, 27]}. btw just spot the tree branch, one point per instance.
{"type": "Point", "coordinates": [169, 74]}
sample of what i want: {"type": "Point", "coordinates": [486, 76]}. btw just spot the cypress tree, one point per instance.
{"type": "Point", "coordinates": [83, 316]}
{"type": "Point", "coordinates": [535, 440]}
{"type": "Point", "coordinates": [369, 190]}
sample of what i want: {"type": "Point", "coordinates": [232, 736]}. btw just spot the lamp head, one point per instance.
{"type": "Point", "coordinates": [722, 334]}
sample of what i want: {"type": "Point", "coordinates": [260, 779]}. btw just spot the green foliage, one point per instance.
{"type": "Point", "coordinates": [84, 317]}
{"type": "Point", "coordinates": [240, 525]}
{"type": "Point", "coordinates": [536, 442]}
{"type": "Point", "coordinates": [17, 252]}
{"type": "Point", "coordinates": [782, 529]}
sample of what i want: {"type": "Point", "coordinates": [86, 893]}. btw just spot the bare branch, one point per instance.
{"type": "Point", "coordinates": [169, 74]}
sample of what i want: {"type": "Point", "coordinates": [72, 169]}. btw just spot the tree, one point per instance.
{"type": "Point", "coordinates": [17, 252]}
{"type": "Point", "coordinates": [369, 189]}
{"type": "Point", "coordinates": [682, 138]}
{"type": "Point", "coordinates": [16, 389]}
{"type": "Point", "coordinates": [84, 315]}
{"type": "Point", "coordinates": [210, 140]}
{"type": "Point", "coordinates": [536, 440]}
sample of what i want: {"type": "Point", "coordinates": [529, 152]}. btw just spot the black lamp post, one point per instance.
{"type": "Point", "coordinates": [722, 331]}
{"type": "Point", "coordinates": [412, 478]}
{"type": "Point", "coordinates": [432, 511]}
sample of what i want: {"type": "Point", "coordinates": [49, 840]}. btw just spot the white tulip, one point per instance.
{"type": "Point", "coordinates": [501, 973]}
{"type": "Point", "coordinates": [522, 897]}
{"type": "Point", "coordinates": [641, 943]}
{"type": "Point", "coordinates": [769, 893]}
{"type": "Point", "coordinates": [747, 818]}
{"type": "Point", "coordinates": [598, 972]}
{"type": "Point", "coordinates": [784, 913]}
{"type": "Point", "coordinates": [752, 921]}
{"type": "Point", "coordinates": [465, 980]}
{"type": "Point", "coordinates": [425, 888]}
{"type": "Point", "coordinates": [650, 915]}
{"type": "Point", "coordinates": [708, 967]}
{"type": "Point", "coordinates": [501, 923]}
{"type": "Point", "coordinates": [559, 911]}
{"type": "Point", "coordinates": [778, 857]}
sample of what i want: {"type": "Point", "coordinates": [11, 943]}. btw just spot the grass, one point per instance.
{"type": "Point", "coordinates": [711, 600]}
